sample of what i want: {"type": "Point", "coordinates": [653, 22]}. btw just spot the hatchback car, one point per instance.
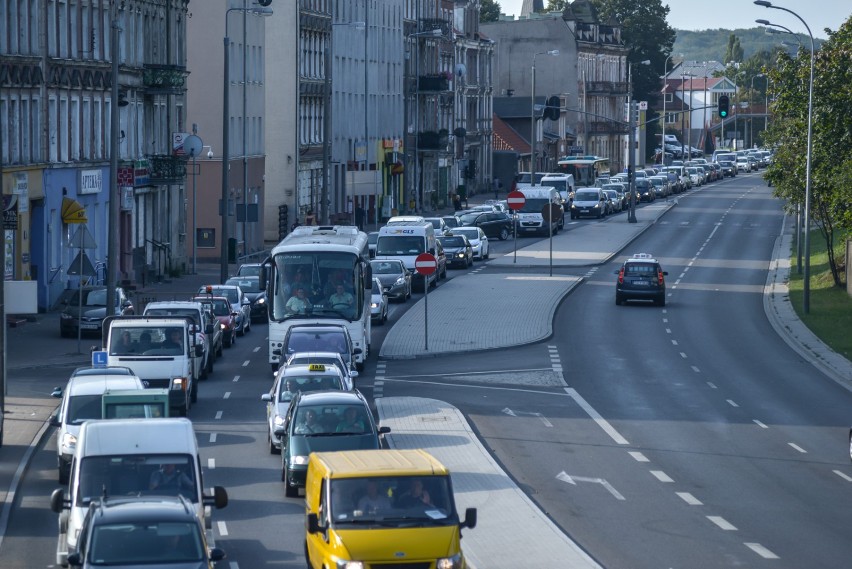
{"type": "Point", "coordinates": [641, 278]}
{"type": "Point", "coordinates": [439, 224]}
{"type": "Point", "coordinates": [289, 381]}
{"type": "Point", "coordinates": [478, 240]}
{"type": "Point", "coordinates": [142, 532]}
{"type": "Point", "coordinates": [458, 250]}
{"type": "Point", "coordinates": [589, 202]}
{"type": "Point", "coordinates": [325, 421]}
{"type": "Point", "coordinates": [250, 285]}
{"type": "Point", "coordinates": [225, 314]}
{"type": "Point", "coordinates": [615, 202]}
{"type": "Point", "coordinates": [645, 190]}
{"type": "Point", "coordinates": [89, 314]}
{"type": "Point", "coordinates": [494, 224]}
{"type": "Point", "coordinates": [378, 303]}
{"type": "Point", "coordinates": [239, 302]}
{"type": "Point", "coordinates": [394, 276]}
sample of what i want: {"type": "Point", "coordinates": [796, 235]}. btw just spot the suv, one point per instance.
{"type": "Point", "coordinates": [141, 532]}
{"type": "Point", "coordinates": [641, 278]}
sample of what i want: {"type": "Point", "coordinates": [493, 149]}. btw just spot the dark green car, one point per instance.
{"type": "Point", "coordinates": [323, 421]}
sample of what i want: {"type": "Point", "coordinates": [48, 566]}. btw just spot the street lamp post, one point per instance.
{"type": "Point", "coordinates": [552, 52]}
{"type": "Point", "coordinates": [806, 304]}
{"type": "Point", "coordinates": [631, 146]}
{"type": "Point", "coordinates": [226, 167]}
{"type": "Point", "coordinates": [112, 214]}
{"type": "Point", "coordinates": [751, 120]}
{"type": "Point", "coordinates": [736, 65]}
{"type": "Point", "coordinates": [665, 88]}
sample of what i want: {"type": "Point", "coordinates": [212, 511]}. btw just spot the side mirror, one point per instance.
{"type": "Point", "coordinates": [216, 554]}
{"type": "Point", "coordinates": [209, 329]}
{"type": "Point", "coordinates": [384, 430]}
{"type": "Point", "coordinates": [74, 559]}
{"type": "Point", "coordinates": [313, 523]}
{"type": "Point", "coordinates": [276, 352]}
{"type": "Point", "coordinates": [353, 373]}
{"type": "Point", "coordinates": [279, 431]}
{"type": "Point", "coordinates": [219, 499]}
{"type": "Point", "coordinates": [356, 351]}
{"type": "Point", "coordinates": [469, 518]}
{"type": "Point", "coordinates": [57, 500]}
{"type": "Point", "coordinates": [266, 397]}
{"type": "Point", "coordinates": [57, 392]}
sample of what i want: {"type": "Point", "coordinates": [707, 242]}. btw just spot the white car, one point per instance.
{"type": "Point", "coordinates": [326, 358]}
{"type": "Point", "coordinates": [478, 240]}
{"type": "Point", "coordinates": [614, 200]}
{"type": "Point", "coordinates": [743, 165]}
{"type": "Point", "coordinates": [378, 302]}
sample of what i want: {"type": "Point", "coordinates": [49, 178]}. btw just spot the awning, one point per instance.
{"type": "Point", "coordinates": [73, 211]}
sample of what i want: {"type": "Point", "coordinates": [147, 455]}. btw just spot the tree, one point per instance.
{"type": "Point", "coordinates": [556, 5]}
{"type": "Point", "coordinates": [831, 160]}
{"type": "Point", "coordinates": [734, 51]}
{"type": "Point", "coordinates": [489, 11]}
{"type": "Point", "coordinates": [647, 34]}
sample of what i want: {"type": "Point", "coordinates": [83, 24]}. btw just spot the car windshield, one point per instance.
{"type": "Point", "coordinates": [436, 223]}
{"type": "Point", "coordinates": [392, 501]}
{"type": "Point", "coordinates": [229, 293]}
{"type": "Point", "coordinates": [84, 407]}
{"type": "Point", "coordinates": [136, 474]}
{"type": "Point", "coordinates": [293, 384]}
{"type": "Point", "coordinates": [386, 267]}
{"type": "Point", "coordinates": [452, 241]}
{"type": "Point", "coordinates": [249, 271]}
{"type": "Point", "coordinates": [534, 205]}
{"type": "Point", "coordinates": [640, 269]}
{"type": "Point", "coordinates": [452, 221]}
{"type": "Point", "coordinates": [470, 218]}
{"type": "Point", "coordinates": [219, 306]}
{"type": "Point", "coordinates": [143, 543]}
{"type": "Point", "coordinates": [247, 284]}
{"type": "Point", "coordinates": [183, 312]}
{"type": "Point", "coordinates": [400, 245]}
{"type": "Point", "coordinates": [586, 197]}
{"type": "Point", "coordinates": [377, 288]}
{"type": "Point", "coordinates": [317, 341]}
{"type": "Point", "coordinates": [471, 234]}
{"type": "Point", "coordinates": [328, 419]}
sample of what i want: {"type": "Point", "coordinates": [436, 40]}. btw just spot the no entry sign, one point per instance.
{"type": "Point", "coordinates": [516, 200]}
{"type": "Point", "coordinates": [425, 264]}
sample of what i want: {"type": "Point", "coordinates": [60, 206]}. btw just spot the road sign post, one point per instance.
{"type": "Point", "coordinates": [516, 201]}
{"type": "Point", "coordinates": [425, 264]}
{"type": "Point", "coordinates": [549, 212]}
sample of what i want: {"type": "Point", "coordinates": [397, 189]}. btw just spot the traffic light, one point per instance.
{"type": "Point", "coordinates": [551, 109]}
{"type": "Point", "coordinates": [723, 106]}
{"type": "Point", "coordinates": [283, 224]}
{"type": "Point", "coordinates": [264, 2]}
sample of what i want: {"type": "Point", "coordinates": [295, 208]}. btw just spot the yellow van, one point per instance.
{"type": "Point", "coordinates": [369, 507]}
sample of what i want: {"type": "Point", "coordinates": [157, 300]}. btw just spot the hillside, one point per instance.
{"type": "Point", "coordinates": [709, 45]}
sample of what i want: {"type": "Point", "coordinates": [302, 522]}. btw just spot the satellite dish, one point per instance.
{"type": "Point", "coordinates": [192, 145]}
{"type": "Point", "coordinates": [460, 70]}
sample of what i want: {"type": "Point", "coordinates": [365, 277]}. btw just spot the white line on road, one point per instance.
{"type": "Point", "coordinates": [689, 499]}
{"type": "Point", "coordinates": [212, 437]}
{"type": "Point", "coordinates": [668, 330]}
{"type": "Point", "coordinates": [722, 523]}
{"type": "Point", "coordinates": [842, 475]}
{"type": "Point", "coordinates": [695, 369]}
{"type": "Point", "coordinates": [661, 476]}
{"type": "Point", "coordinates": [711, 385]}
{"type": "Point", "coordinates": [731, 403]}
{"type": "Point", "coordinates": [762, 551]}
{"type": "Point", "coordinates": [218, 414]}
{"type": "Point", "coordinates": [638, 456]}
{"type": "Point", "coordinates": [590, 411]}
{"type": "Point", "coordinates": [223, 529]}
{"type": "Point", "coordinates": [236, 378]}
{"type": "Point", "coordinates": [683, 355]}
{"type": "Point", "coordinates": [674, 343]}
{"type": "Point", "coordinates": [759, 424]}
{"type": "Point", "coordinates": [257, 349]}
{"type": "Point", "coordinates": [246, 363]}
{"type": "Point", "coordinates": [211, 463]}
{"type": "Point", "coordinates": [798, 448]}
{"type": "Point", "coordinates": [227, 395]}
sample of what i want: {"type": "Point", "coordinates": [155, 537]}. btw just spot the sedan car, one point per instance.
{"type": "Point", "coordinates": [290, 380]}
{"type": "Point", "coordinates": [615, 202]}
{"type": "Point", "coordinates": [458, 250]}
{"type": "Point", "coordinates": [645, 190]}
{"type": "Point", "coordinates": [378, 303]}
{"type": "Point", "coordinates": [494, 224]}
{"type": "Point", "coordinates": [239, 302]}
{"type": "Point", "coordinates": [225, 314]}
{"type": "Point", "coordinates": [250, 286]}
{"type": "Point", "coordinates": [478, 240]}
{"type": "Point", "coordinates": [394, 276]}
{"type": "Point", "coordinates": [641, 278]}
{"type": "Point", "coordinates": [452, 221]}
{"type": "Point", "coordinates": [326, 358]}
{"type": "Point", "coordinates": [89, 314]}
{"type": "Point", "coordinates": [439, 224]}
{"type": "Point", "coordinates": [325, 421]}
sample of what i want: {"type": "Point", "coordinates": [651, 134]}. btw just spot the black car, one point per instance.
{"type": "Point", "coordinates": [641, 278]}
{"type": "Point", "coordinates": [493, 223]}
{"type": "Point", "coordinates": [136, 532]}
{"type": "Point", "coordinates": [458, 250]}
{"type": "Point", "coordinates": [729, 168]}
{"type": "Point", "coordinates": [323, 421]}
{"type": "Point", "coordinates": [250, 286]}
{"type": "Point", "coordinates": [645, 190]}
{"type": "Point", "coordinates": [90, 313]}
{"type": "Point", "coordinates": [394, 276]}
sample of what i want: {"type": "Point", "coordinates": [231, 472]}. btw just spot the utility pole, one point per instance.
{"type": "Point", "coordinates": [326, 136]}
{"type": "Point", "coordinates": [112, 222]}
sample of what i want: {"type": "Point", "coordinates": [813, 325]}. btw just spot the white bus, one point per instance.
{"type": "Point", "coordinates": [320, 259]}
{"type": "Point", "coordinates": [585, 169]}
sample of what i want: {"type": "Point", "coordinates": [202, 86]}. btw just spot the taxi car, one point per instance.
{"type": "Point", "coordinates": [323, 421]}
{"type": "Point", "coordinates": [290, 380]}
{"type": "Point", "coordinates": [327, 358]}
{"type": "Point", "coordinates": [641, 278]}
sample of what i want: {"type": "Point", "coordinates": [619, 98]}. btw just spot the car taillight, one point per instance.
{"type": "Point", "coordinates": [660, 278]}
{"type": "Point", "coordinates": [621, 275]}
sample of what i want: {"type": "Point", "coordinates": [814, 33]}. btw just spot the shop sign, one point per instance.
{"type": "Point", "coordinates": [91, 182]}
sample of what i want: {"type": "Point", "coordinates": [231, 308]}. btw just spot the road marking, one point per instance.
{"type": "Point", "coordinates": [665, 320]}
{"type": "Point", "coordinates": [596, 417]}
{"type": "Point", "coordinates": [564, 477]}
{"type": "Point", "coordinates": [689, 499]}
{"type": "Point", "coordinates": [246, 363]}
{"type": "Point", "coordinates": [798, 448]}
{"type": "Point", "coordinates": [638, 456]}
{"type": "Point", "coordinates": [722, 523]}
{"type": "Point", "coordinates": [668, 330]}
{"type": "Point", "coordinates": [223, 529]}
{"type": "Point", "coordinates": [661, 476]}
{"type": "Point", "coordinates": [674, 343]}
{"type": "Point", "coordinates": [212, 437]}
{"type": "Point", "coordinates": [256, 350]}
{"type": "Point", "coordinates": [731, 403]}
{"type": "Point", "coordinates": [762, 551]}
{"type": "Point", "coordinates": [236, 378]}
{"type": "Point", "coordinates": [683, 355]}
{"type": "Point", "coordinates": [489, 372]}
{"type": "Point", "coordinates": [759, 424]}
{"type": "Point", "coordinates": [543, 419]}
{"type": "Point", "coordinates": [695, 369]}
{"type": "Point", "coordinates": [211, 463]}
{"type": "Point", "coordinates": [842, 475]}
{"type": "Point", "coordinates": [218, 414]}
{"type": "Point", "coordinates": [227, 395]}
{"type": "Point", "coordinates": [711, 385]}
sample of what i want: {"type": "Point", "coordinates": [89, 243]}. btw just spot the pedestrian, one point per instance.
{"type": "Point", "coordinates": [497, 185]}
{"type": "Point", "coordinates": [456, 202]}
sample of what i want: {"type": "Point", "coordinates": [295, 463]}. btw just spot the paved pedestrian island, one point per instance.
{"type": "Point", "coordinates": [511, 530]}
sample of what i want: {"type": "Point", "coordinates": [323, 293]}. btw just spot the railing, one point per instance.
{"type": "Point", "coordinates": [164, 78]}
{"type": "Point", "coordinates": [165, 169]}
{"type": "Point", "coordinates": [606, 87]}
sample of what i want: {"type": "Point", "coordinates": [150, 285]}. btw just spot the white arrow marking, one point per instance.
{"type": "Point", "coordinates": [541, 417]}
{"type": "Point", "coordinates": [574, 479]}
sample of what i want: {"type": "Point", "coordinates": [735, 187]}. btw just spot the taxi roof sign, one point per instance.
{"type": "Point", "coordinates": [316, 367]}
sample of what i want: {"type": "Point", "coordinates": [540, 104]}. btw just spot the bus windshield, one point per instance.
{"type": "Point", "coordinates": [328, 286]}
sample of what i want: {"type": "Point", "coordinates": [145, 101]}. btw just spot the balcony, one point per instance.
{"type": "Point", "coordinates": [166, 169]}
{"type": "Point", "coordinates": [429, 24]}
{"type": "Point", "coordinates": [607, 127]}
{"type": "Point", "coordinates": [433, 83]}
{"type": "Point", "coordinates": [431, 140]}
{"type": "Point", "coordinates": [614, 88]}
{"type": "Point", "coordinates": [168, 79]}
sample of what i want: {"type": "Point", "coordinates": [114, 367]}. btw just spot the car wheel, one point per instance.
{"type": "Point", "coordinates": [359, 366]}
{"type": "Point", "coordinates": [385, 317]}
{"type": "Point", "coordinates": [504, 234]}
{"type": "Point", "coordinates": [210, 364]}
{"type": "Point", "coordinates": [661, 301]}
{"type": "Point", "coordinates": [407, 293]}
{"type": "Point", "coordinates": [247, 325]}
{"type": "Point", "coordinates": [619, 300]}
{"type": "Point", "coordinates": [219, 350]}
{"type": "Point", "coordinates": [193, 393]}
{"type": "Point", "coordinates": [272, 448]}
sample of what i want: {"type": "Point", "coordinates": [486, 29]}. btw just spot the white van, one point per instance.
{"type": "Point", "coordinates": [406, 240]}
{"type": "Point", "coordinates": [203, 325]}
{"type": "Point", "coordinates": [564, 184]}
{"type": "Point", "coordinates": [123, 457]}
{"type": "Point", "coordinates": [405, 219]}
{"type": "Point", "coordinates": [146, 345]}
{"type": "Point", "coordinates": [529, 216]}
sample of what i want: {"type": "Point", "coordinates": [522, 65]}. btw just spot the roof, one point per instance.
{"type": "Point", "coordinates": [385, 462]}
{"type": "Point", "coordinates": [120, 437]}
{"type": "Point", "coordinates": [144, 509]}
{"type": "Point", "coordinates": [507, 138]}
{"type": "Point", "coordinates": [305, 369]}
{"type": "Point", "coordinates": [98, 384]}
{"type": "Point", "coordinates": [330, 398]}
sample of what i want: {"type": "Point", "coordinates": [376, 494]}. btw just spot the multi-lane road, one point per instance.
{"type": "Point", "coordinates": [684, 436]}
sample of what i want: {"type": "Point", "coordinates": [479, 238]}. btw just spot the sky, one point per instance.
{"type": "Point", "coordinates": [731, 14]}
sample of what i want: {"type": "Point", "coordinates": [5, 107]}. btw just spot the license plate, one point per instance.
{"type": "Point", "coordinates": [641, 283]}
{"type": "Point", "coordinates": [89, 326]}
{"type": "Point", "coordinates": [584, 209]}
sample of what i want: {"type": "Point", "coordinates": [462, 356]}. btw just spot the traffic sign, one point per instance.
{"type": "Point", "coordinates": [99, 358]}
{"type": "Point", "coordinates": [516, 200]}
{"type": "Point", "coordinates": [425, 264]}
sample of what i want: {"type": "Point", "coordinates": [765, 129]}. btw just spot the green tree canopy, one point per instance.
{"type": "Point", "coordinates": [734, 51]}
{"type": "Point", "coordinates": [489, 10]}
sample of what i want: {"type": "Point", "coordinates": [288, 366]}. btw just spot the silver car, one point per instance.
{"type": "Point", "coordinates": [378, 303]}
{"type": "Point", "coordinates": [478, 240]}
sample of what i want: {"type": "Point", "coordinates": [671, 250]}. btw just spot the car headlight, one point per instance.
{"type": "Point", "coordinates": [261, 300]}
{"type": "Point", "coordinates": [300, 459]}
{"type": "Point", "coordinates": [278, 421]}
{"type": "Point", "coordinates": [64, 316]}
{"type": "Point", "coordinates": [179, 383]}
{"type": "Point", "coordinates": [68, 441]}
{"type": "Point", "coordinates": [596, 206]}
{"type": "Point", "coordinates": [400, 281]}
{"type": "Point", "coordinates": [374, 305]}
{"type": "Point", "coordinates": [454, 562]}
{"type": "Point", "coordinates": [460, 255]}
{"type": "Point", "coordinates": [223, 326]}
{"type": "Point", "coordinates": [343, 564]}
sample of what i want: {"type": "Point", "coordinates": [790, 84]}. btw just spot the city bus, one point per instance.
{"type": "Point", "coordinates": [585, 169]}
{"type": "Point", "coordinates": [319, 260]}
